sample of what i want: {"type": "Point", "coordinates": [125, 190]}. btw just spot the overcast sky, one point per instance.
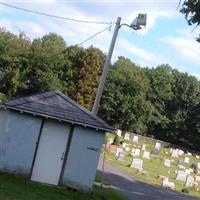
{"type": "Point", "coordinates": [166, 39]}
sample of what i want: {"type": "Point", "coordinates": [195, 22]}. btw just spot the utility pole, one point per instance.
{"type": "Point", "coordinates": [106, 67]}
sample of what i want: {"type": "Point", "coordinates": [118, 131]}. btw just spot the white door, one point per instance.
{"type": "Point", "coordinates": [50, 153]}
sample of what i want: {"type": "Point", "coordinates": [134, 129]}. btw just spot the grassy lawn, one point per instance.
{"type": "Point", "coordinates": [18, 188]}
{"type": "Point", "coordinates": [155, 167]}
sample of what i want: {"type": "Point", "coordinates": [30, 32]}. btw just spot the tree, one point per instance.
{"type": "Point", "coordinates": [191, 10]}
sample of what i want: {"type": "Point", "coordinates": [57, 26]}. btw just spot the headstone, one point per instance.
{"type": "Point", "coordinates": [197, 179]}
{"type": "Point", "coordinates": [137, 152]}
{"type": "Point", "coordinates": [170, 151]}
{"type": "Point", "coordinates": [181, 161]}
{"type": "Point", "coordinates": [181, 167]}
{"type": "Point", "coordinates": [197, 156]}
{"type": "Point", "coordinates": [187, 171]}
{"type": "Point", "coordinates": [198, 165]}
{"type": "Point", "coordinates": [175, 153]}
{"type": "Point", "coordinates": [189, 181]}
{"type": "Point", "coordinates": [146, 155]}
{"type": "Point", "coordinates": [143, 147]}
{"type": "Point", "coordinates": [181, 176]}
{"type": "Point", "coordinates": [168, 184]}
{"type": "Point", "coordinates": [119, 132]}
{"type": "Point", "coordinates": [189, 154]}
{"type": "Point", "coordinates": [167, 163]}
{"type": "Point", "coordinates": [137, 164]}
{"type": "Point", "coordinates": [127, 136]}
{"type": "Point", "coordinates": [110, 141]}
{"type": "Point", "coordinates": [135, 139]}
{"type": "Point", "coordinates": [157, 146]}
{"type": "Point", "coordinates": [127, 149]}
{"type": "Point", "coordinates": [119, 150]}
{"type": "Point", "coordinates": [121, 156]}
{"type": "Point", "coordinates": [180, 152]}
{"type": "Point", "coordinates": [124, 145]}
{"type": "Point", "coordinates": [187, 160]}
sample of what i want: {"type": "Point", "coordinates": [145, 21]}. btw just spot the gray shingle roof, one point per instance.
{"type": "Point", "coordinates": [56, 105]}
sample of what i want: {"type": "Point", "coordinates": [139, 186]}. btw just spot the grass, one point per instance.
{"type": "Point", "coordinates": [154, 167]}
{"type": "Point", "coordinates": [17, 188]}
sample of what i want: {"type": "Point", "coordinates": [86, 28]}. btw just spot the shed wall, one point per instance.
{"type": "Point", "coordinates": [83, 157]}
{"type": "Point", "coordinates": [20, 133]}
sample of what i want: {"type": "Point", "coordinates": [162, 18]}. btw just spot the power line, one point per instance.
{"type": "Point", "coordinates": [94, 35]}
{"type": "Point", "coordinates": [55, 16]}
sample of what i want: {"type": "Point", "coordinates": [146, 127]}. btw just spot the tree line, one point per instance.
{"type": "Point", "coordinates": [160, 102]}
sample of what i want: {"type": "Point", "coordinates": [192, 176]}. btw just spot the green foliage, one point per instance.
{"type": "Point", "coordinates": [194, 167]}
{"type": "Point", "coordinates": [185, 190]}
{"type": "Point", "coordinates": [116, 140]}
{"type": "Point", "coordinates": [191, 10]}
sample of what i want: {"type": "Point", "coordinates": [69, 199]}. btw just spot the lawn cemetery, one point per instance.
{"type": "Point", "coordinates": [156, 162]}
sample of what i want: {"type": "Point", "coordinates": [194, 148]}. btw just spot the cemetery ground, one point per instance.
{"type": "Point", "coordinates": [154, 171]}
{"type": "Point", "coordinates": [18, 188]}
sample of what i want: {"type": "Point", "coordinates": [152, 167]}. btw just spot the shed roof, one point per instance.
{"type": "Point", "coordinates": [56, 105]}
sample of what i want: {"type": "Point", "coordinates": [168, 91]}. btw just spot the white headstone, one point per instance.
{"type": "Point", "coordinates": [197, 156]}
{"type": "Point", "coordinates": [137, 164]}
{"type": "Point", "coordinates": [181, 167]}
{"type": "Point", "coordinates": [189, 154]}
{"type": "Point", "coordinates": [181, 176]}
{"type": "Point", "coordinates": [119, 150]}
{"type": "Point", "coordinates": [157, 146]}
{"type": "Point", "coordinates": [127, 136]}
{"type": "Point", "coordinates": [198, 165]}
{"type": "Point", "coordinates": [175, 153]}
{"type": "Point", "coordinates": [143, 147]}
{"type": "Point", "coordinates": [119, 132]}
{"type": "Point", "coordinates": [167, 163]}
{"type": "Point", "coordinates": [146, 155]}
{"type": "Point", "coordinates": [187, 160]}
{"type": "Point", "coordinates": [168, 184]}
{"type": "Point", "coordinates": [180, 152]}
{"type": "Point", "coordinates": [189, 181]}
{"type": "Point", "coordinates": [137, 152]}
{"type": "Point", "coordinates": [197, 179]}
{"type": "Point", "coordinates": [127, 149]}
{"type": "Point", "coordinates": [124, 145]}
{"type": "Point", "coordinates": [135, 139]}
{"type": "Point", "coordinates": [187, 171]}
{"type": "Point", "coordinates": [121, 156]}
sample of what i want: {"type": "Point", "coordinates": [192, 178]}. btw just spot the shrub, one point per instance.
{"type": "Point", "coordinates": [194, 167]}
{"type": "Point", "coordinates": [116, 140]}
{"type": "Point", "coordinates": [185, 190]}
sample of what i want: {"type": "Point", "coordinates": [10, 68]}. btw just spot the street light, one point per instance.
{"type": "Point", "coordinates": [138, 23]}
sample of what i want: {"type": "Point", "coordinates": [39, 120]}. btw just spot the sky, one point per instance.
{"type": "Point", "coordinates": [167, 38]}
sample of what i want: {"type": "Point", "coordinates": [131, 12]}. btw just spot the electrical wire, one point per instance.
{"type": "Point", "coordinates": [94, 35]}
{"type": "Point", "coordinates": [55, 16]}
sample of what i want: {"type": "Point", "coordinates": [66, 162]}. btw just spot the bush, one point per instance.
{"type": "Point", "coordinates": [185, 190]}
{"type": "Point", "coordinates": [194, 167]}
{"type": "Point", "coordinates": [116, 140]}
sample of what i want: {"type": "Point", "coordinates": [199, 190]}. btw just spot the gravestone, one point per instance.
{"type": "Point", "coordinates": [127, 136]}
{"type": "Point", "coordinates": [110, 141]}
{"type": "Point", "coordinates": [143, 147]}
{"type": "Point", "coordinates": [127, 149]}
{"type": "Point", "coordinates": [181, 167]}
{"type": "Point", "coordinates": [124, 145]}
{"type": "Point", "coordinates": [119, 150]}
{"type": "Point", "coordinates": [187, 171]}
{"type": "Point", "coordinates": [197, 156]}
{"type": "Point", "coordinates": [121, 156]}
{"type": "Point", "coordinates": [119, 132]}
{"type": "Point", "coordinates": [175, 153]}
{"type": "Point", "coordinates": [168, 184]}
{"type": "Point", "coordinates": [137, 164]}
{"type": "Point", "coordinates": [181, 176]}
{"type": "Point", "coordinates": [189, 154]}
{"type": "Point", "coordinates": [187, 160]}
{"type": "Point", "coordinates": [197, 179]}
{"type": "Point", "coordinates": [180, 152]}
{"type": "Point", "coordinates": [137, 152]}
{"type": "Point", "coordinates": [157, 146]}
{"type": "Point", "coordinates": [146, 155]}
{"type": "Point", "coordinates": [198, 165]}
{"type": "Point", "coordinates": [189, 181]}
{"type": "Point", "coordinates": [167, 163]}
{"type": "Point", "coordinates": [135, 139]}
{"type": "Point", "coordinates": [181, 161]}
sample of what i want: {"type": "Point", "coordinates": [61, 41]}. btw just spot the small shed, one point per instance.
{"type": "Point", "coordinates": [51, 139]}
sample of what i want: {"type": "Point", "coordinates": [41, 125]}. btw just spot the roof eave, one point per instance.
{"type": "Point", "coordinates": [59, 119]}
